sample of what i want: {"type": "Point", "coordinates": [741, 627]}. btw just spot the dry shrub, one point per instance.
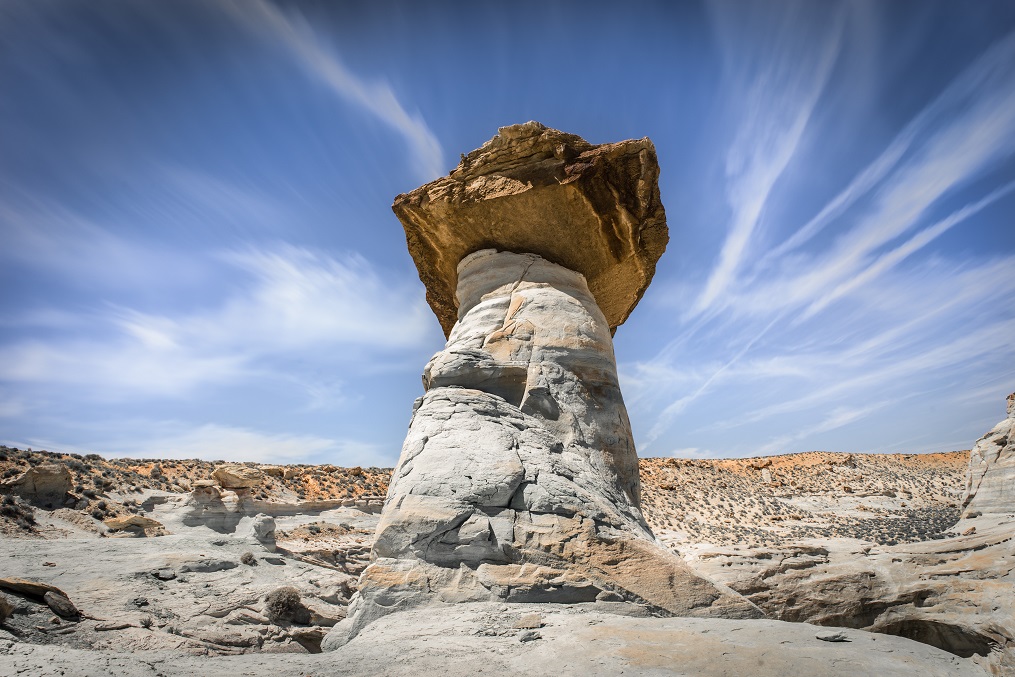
{"type": "Point", "coordinates": [283, 604]}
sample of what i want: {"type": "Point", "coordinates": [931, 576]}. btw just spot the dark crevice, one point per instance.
{"type": "Point", "coordinates": [956, 639]}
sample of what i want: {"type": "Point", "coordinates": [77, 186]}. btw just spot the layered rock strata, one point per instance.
{"type": "Point", "coordinates": [990, 484]}
{"type": "Point", "coordinates": [531, 189]}
{"type": "Point", "coordinates": [518, 479]}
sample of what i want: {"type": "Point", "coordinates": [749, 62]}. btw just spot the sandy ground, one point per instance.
{"type": "Point", "coordinates": [482, 639]}
{"type": "Point", "coordinates": [188, 597]}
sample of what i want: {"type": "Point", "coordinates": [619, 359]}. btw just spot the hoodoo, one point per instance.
{"type": "Point", "coordinates": [518, 479]}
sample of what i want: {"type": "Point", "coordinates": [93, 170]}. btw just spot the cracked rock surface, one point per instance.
{"type": "Point", "coordinates": [518, 479]}
{"type": "Point", "coordinates": [990, 484]}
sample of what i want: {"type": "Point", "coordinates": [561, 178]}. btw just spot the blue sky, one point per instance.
{"type": "Point", "coordinates": [198, 257]}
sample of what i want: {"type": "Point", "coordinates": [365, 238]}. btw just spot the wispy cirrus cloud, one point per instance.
{"type": "Point", "coordinates": [822, 327]}
{"type": "Point", "coordinates": [292, 30]}
{"type": "Point", "coordinates": [779, 100]}
{"type": "Point", "coordinates": [296, 301]}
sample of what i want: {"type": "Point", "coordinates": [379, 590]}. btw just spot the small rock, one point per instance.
{"type": "Point", "coordinates": [529, 636]}
{"type": "Point", "coordinates": [832, 636]}
{"type": "Point", "coordinates": [529, 622]}
{"type": "Point", "coordinates": [164, 574]}
{"type": "Point", "coordinates": [106, 627]}
{"type": "Point", "coordinates": [969, 532]}
{"type": "Point", "coordinates": [140, 601]}
{"type": "Point", "coordinates": [263, 529]}
{"type": "Point", "coordinates": [61, 605]}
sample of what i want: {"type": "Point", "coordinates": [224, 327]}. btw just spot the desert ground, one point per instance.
{"type": "Point", "coordinates": [167, 562]}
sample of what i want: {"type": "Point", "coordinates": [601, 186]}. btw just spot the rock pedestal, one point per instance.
{"type": "Point", "coordinates": [990, 483]}
{"type": "Point", "coordinates": [518, 480]}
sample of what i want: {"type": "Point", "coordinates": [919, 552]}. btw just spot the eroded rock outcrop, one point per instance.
{"type": "Point", "coordinates": [955, 591]}
{"type": "Point", "coordinates": [238, 476]}
{"type": "Point", "coordinates": [990, 484]}
{"type": "Point", "coordinates": [531, 189]}
{"type": "Point", "coordinates": [518, 479]}
{"type": "Point", "coordinates": [45, 485]}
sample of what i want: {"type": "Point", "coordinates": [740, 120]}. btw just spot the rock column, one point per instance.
{"type": "Point", "coordinates": [518, 479]}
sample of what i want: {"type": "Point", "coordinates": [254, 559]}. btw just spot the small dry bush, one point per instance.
{"type": "Point", "coordinates": [283, 604]}
{"type": "Point", "coordinates": [248, 559]}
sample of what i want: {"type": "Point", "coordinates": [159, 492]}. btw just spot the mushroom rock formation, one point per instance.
{"type": "Point", "coordinates": [518, 479]}
{"type": "Point", "coordinates": [990, 482]}
{"type": "Point", "coordinates": [534, 190]}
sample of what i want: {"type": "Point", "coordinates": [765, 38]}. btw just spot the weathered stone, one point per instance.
{"type": "Point", "coordinates": [61, 605]}
{"type": "Point", "coordinates": [990, 483]}
{"type": "Point", "coordinates": [27, 587]}
{"type": "Point", "coordinates": [131, 521]}
{"type": "Point", "coordinates": [529, 622]}
{"type": "Point", "coordinates": [263, 530]}
{"type": "Point", "coordinates": [955, 593]}
{"type": "Point", "coordinates": [164, 574]}
{"type": "Point", "coordinates": [832, 636]}
{"type": "Point", "coordinates": [238, 476]}
{"type": "Point", "coordinates": [592, 209]}
{"type": "Point", "coordinates": [45, 485]}
{"type": "Point", "coordinates": [518, 478]}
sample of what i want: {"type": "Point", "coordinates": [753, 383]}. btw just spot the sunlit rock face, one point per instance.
{"type": "Point", "coordinates": [522, 413]}
{"type": "Point", "coordinates": [990, 484]}
{"type": "Point", "coordinates": [594, 209]}
{"type": "Point", "coordinates": [531, 333]}
{"type": "Point", "coordinates": [518, 479]}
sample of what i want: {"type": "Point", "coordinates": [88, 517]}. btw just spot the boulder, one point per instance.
{"type": "Point", "coordinates": [238, 476]}
{"type": "Point", "coordinates": [61, 605]}
{"type": "Point", "coordinates": [593, 209]}
{"type": "Point", "coordinates": [44, 485]}
{"type": "Point", "coordinates": [131, 522]}
{"type": "Point", "coordinates": [263, 530]}
{"type": "Point", "coordinates": [990, 482]}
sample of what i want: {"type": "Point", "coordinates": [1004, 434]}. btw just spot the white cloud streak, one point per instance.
{"type": "Point", "coordinates": [779, 101]}
{"type": "Point", "coordinates": [377, 98]}
{"type": "Point", "coordinates": [298, 300]}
